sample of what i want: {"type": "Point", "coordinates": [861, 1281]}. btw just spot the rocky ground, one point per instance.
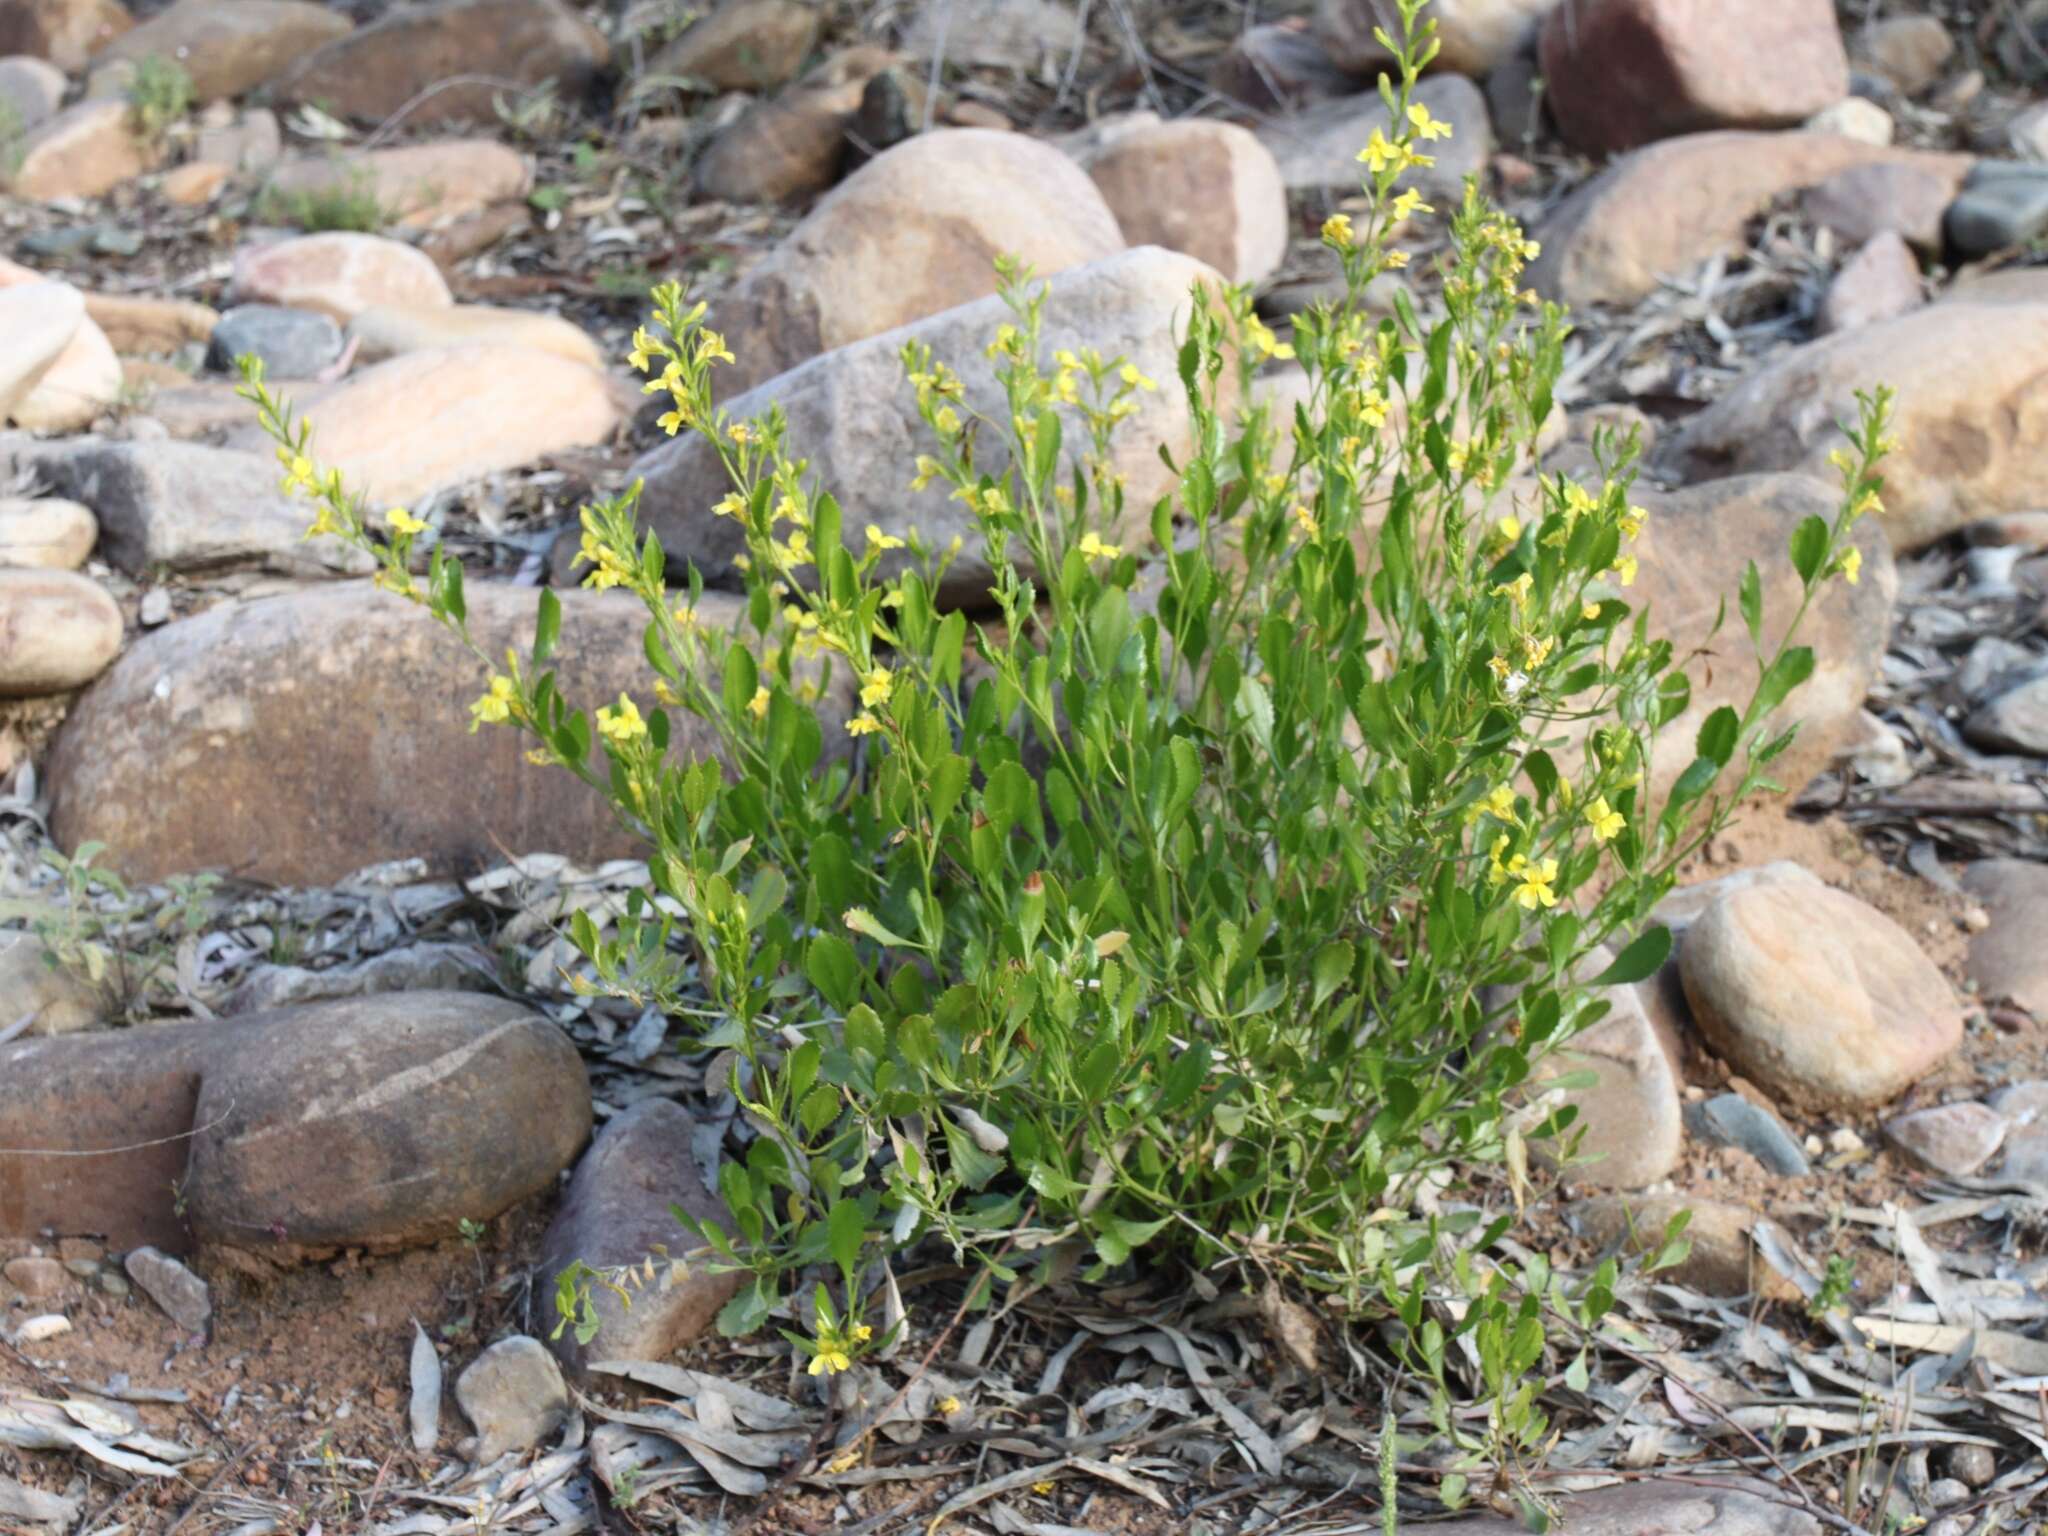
{"type": "Point", "coordinates": [293, 1138]}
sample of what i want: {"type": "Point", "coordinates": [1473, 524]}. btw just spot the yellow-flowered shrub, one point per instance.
{"type": "Point", "coordinates": [1155, 909]}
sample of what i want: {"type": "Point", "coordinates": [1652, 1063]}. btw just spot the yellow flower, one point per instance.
{"type": "Point", "coordinates": [948, 1406]}
{"type": "Point", "coordinates": [621, 723]}
{"type": "Point", "coordinates": [495, 707]}
{"type": "Point", "coordinates": [1094, 549]}
{"type": "Point", "coordinates": [711, 348]}
{"type": "Point", "coordinates": [877, 687]}
{"type": "Point", "coordinates": [1396, 260]}
{"type": "Point", "coordinates": [1605, 821]}
{"type": "Point", "coordinates": [928, 470]}
{"type": "Point", "coordinates": [1509, 529]}
{"type": "Point", "coordinates": [644, 347]}
{"type": "Point", "coordinates": [1500, 804]}
{"type": "Point", "coordinates": [829, 1359]}
{"type": "Point", "coordinates": [1305, 521]}
{"type": "Point", "coordinates": [1625, 570]}
{"type": "Point", "coordinates": [1632, 522]}
{"type": "Point", "coordinates": [1134, 379]}
{"type": "Point", "coordinates": [947, 420]}
{"type": "Point", "coordinates": [845, 1461]}
{"type": "Point", "coordinates": [1268, 344]}
{"type": "Point", "coordinates": [879, 541]}
{"type": "Point", "coordinates": [1850, 564]}
{"type": "Point", "coordinates": [1499, 666]}
{"type": "Point", "coordinates": [1589, 612]}
{"type": "Point", "coordinates": [1519, 589]}
{"type": "Point", "coordinates": [1337, 231]}
{"type": "Point", "coordinates": [758, 704]}
{"type": "Point", "coordinates": [1372, 408]}
{"type": "Point", "coordinates": [1407, 205]}
{"type": "Point", "coordinates": [862, 724]}
{"type": "Point", "coordinates": [731, 504]}
{"type": "Point", "coordinates": [1867, 502]}
{"type": "Point", "coordinates": [1426, 127]}
{"type": "Point", "coordinates": [1535, 652]}
{"type": "Point", "coordinates": [1535, 890]}
{"type": "Point", "coordinates": [404, 522]}
{"type": "Point", "coordinates": [862, 1333]}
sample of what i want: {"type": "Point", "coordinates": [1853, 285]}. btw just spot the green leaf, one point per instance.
{"type": "Point", "coordinates": [742, 677]}
{"type": "Point", "coordinates": [1785, 674]}
{"type": "Point", "coordinates": [1254, 708]}
{"type": "Point", "coordinates": [1011, 797]}
{"type": "Point", "coordinates": [1331, 968]}
{"type": "Point", "coordinates": [1184, 1078]}
{"type": "Point", "coordinates": [747, 1311]}
{"type": "Point", "coordinates": [1750, 597]}
{"type": "Point", "coordinates": [1719, 735]}
{"type": "Point", "coordinates": [834, 970]}
{"type": "Point", "coordinates": [1809, 546]}
{"type": "Point", "coordinates": [820, 1107]}
{"type": "Point", "coordinates": [447, 584]}
{"type": "Point", "coordinates": [948, 783]}
{"type": "Point", "coordinates": [547, 628]}
{"type": "Point", "coordinates": [846, 1229]}
{"type": "Point", "coordinates": [975, 1167]}
{"type": "Point", "coordinates": [862, 921]}
{"type": "Point", "coordinates": [1642, 959]}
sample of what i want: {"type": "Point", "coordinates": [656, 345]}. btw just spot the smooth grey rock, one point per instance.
{"type": "Point", "coordinates": [1733, 1121]}
{"type": "Point", "coordinates": [2013, 721]}
{"type": "Point", "coordinates": [293, 343]}
{"type": "Point", "coordinates": [515, 1396]}
{"type": "Point", "coordinates": [183, 506]}
{"type": "Point", "coordinates": [182, 1294]}
{"type": "Point", "coordinates": [2002, 204]}
{"type": "Point", "coordinates": [1955, 1139]}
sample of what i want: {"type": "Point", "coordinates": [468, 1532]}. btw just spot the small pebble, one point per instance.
{"type": "Point", "coordinates": [49, 1326]}
{"type": "Point", "coordinates": [114, 1283]}
{"type": "Point", "coordinates": [35, 1276]}
{"type": "Point", "coordinates": [1972, 1465]}
{"type": "Point", "coordinates": [1946, 1491]}
{"type": "Point", "coordinates": [1845, 1141]}
{"type": "Point", "coordinates": [156, 607]}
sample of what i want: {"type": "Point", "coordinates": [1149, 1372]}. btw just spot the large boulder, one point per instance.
{"type": "Point", "coordinates": [427, 420]}
{"type": "Point", "coordinates": [66, 32]}
{"type": "Point", "coordinates": [1691, 558]}
{"type": "Point", "coordinates": [2009, 959]}
{"type": "Point", "coordinates": [82, 380]}
{"type": "Point", "coordinates": [742, 45]}
{"type": "Point", "coordinates": [1663, 209]}
{"type": "Point", "coordinates": [1624, 72]}
{"type": "Point", "coordinates": [37, 322]}
{"type": "Point", "coordinates": [1210, 190]}
{"type": "Point", "coordinates": [391, 330]}
{"type": "Point", "coordinates": [229, 47]}
{"type": "Point", "coordinates": [491, 45]}
{"type": "Point", "coordinates": [915, 231]}
{"type": "Point", "coordinates": [1475, 37]}
{"type": "Point", "coordinates": [85, 150]}
{"type": "Point", "coordinates": [1971, 417]}
{"type": "Point", "coordinates": [791, 144]}
{"type": "Point", "coordinates": [299, 738]}
{"type": "Point", "coordinates": [1818, 999]}
{"type": "Point", "coordinates": [371, 1122]}
{"type": "Point", "coordinates": [171, 506]}
{"type": "Point", "coordinates": [58, 631]}
{"type": "Point", "coordinates": [1317, 147]}
{"type": "Point", "coordinates": [338, 272]}
{"type": "Point", "coordinates": [854, 416]}
{"type": "Point", "coordinates": [417, 185]}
